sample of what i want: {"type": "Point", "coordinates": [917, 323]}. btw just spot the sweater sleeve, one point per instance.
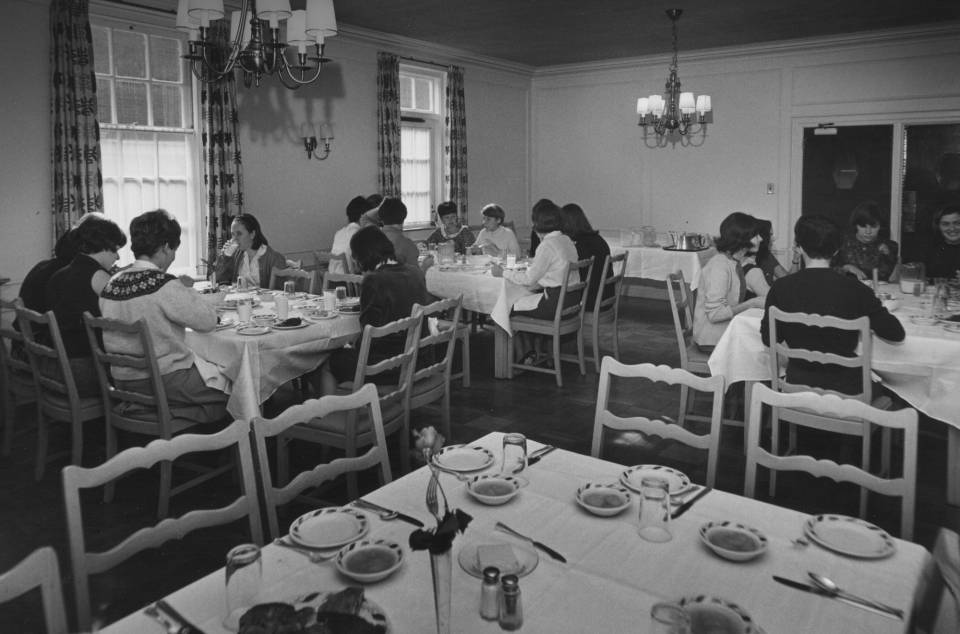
{"type": "Point", "coordinates": [882, 323]}
{"type": "Point", "coordinates": [186, 307]}
{"type": "Point", "coordinates": [715, 283]}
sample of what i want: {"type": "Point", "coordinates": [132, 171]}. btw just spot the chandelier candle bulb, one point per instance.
{"type": "Point", "coordinates": [686, 103]}
{"type": "Point", "coordinates": [643, 106]}
{"type": "Point", "coordinates": [205, 10]}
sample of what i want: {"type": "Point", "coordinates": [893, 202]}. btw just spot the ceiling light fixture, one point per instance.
{"type": "Point", "coordinates": [674, 112]}
{"type": "Point", "coordinates": [256, 49]}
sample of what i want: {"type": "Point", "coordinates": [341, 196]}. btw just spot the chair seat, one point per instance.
{"type": "Point", "coordinates": [427, 384]}
{"type": "Point", "coordinates": [90, 407]}
{"type": "Point", "coordinates": [130, 418]}
{"type": "Point", "coordinates": [334, 422]}
{"type": "Point", "coordinates": [545, 326]}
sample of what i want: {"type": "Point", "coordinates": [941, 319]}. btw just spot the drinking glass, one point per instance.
{"type": "Point", "coordinates": [289, 287]}
{"type": "Point", "coordinates": [669, 618]}
{"type": "Point", "coordinates": [341, 295]}
{"type": "Point", "coordinates": [241, 284]}
{"type": "Point", "coordinates": [329, 301]}
{"type": "Point", "coordinates": [244, 310]}
{"type": "Point", "coordinates": [655, 510]}
{"type": "Point", "coordinates": [514, 454]}
{"type": "Point", "coordinates": [242, 582]}
{"type": "Point", "coordinates": [283, 307]}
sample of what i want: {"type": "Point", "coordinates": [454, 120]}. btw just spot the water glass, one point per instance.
{"type": "Point", "coordinates": [655, 510]}
{"type": "Point", "coordinates": [283, 307]}
{"type": "Point", "coordinates": [244, 310]}
{"type": "Point", "coordinates": [341, 295]}
{"type": "Point", "coordinates": [289, 287]}
{"type": "Point", "coordinates": [329, 301]}
{"type": "Point", "coordinates": [514, 454]}
{"type": "Point", "coordinates": [241, 284]}
{"type": "Point", "coordinates": [242, 582]}
{"type": "Point", "coordinates": [669, 618]}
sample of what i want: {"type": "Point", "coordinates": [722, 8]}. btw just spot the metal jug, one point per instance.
{"type": "Point", "coordinates": [913, 277]}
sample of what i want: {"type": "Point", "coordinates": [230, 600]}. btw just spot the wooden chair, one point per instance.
{"type": "Point", "coordinates": [936, 601]}
{"type": "Point", "coordinates": [851, 411]}
{"type": "Point", "coordinates": [606, 310]}
{"type": "Point", "coordinates": [566, 320]}
{"type": "Point", "coordinates": [57, 397]}
{"type": "Point", "coordinates": [38, 569]}
{"type": "Point", "coordinates": [781, 354]}
{"type": "Point", "coordinates": [351, 431]}
{"type": "Point", "coordinates": [346, 264]}
{"type": "Point", "coordinates": [145, 413]}
{"type": "Point", "coordinates": [605, 419]}
{"type": "Point", "coordinates": [305, 281]}
{"type": "Point", "coordinates": [235, 437]}
{"type": "Point", "coordinates": [692, 359]}
{"type": "Point", "coordinates": [16, 377]}
{"type": "Point", "coordinates": [432, 382]}
{"type": "Point", "coordinates": [351, 280]}
{"type": "Point", "coordinates": [366, 399]}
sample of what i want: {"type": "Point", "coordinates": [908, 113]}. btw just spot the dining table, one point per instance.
{"type": "Point", "coordinates": [924, 369]}
{"type": "Point", "coordinates": [657, 262]}
{"type": "Point", "coordinates": [251, 367]}
{"type": "Point", "coordinates": [611, 577]}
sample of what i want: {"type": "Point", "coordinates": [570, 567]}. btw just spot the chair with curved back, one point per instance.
{"type": "Point", "coordinates": [305, 281]}
{"type": "Point", "coordinates": [16, 377]}
{"type": "Point", "coordinates": [146, 413]}
{"type": "Point", "coordinates": [431, 382]}
{"type": "Point", "coordinates": [567, 319]}
{"type": "Point", "coordinates": [236, 437]}
{"type": "Point", "coordinates": [39, 569]}
{"type": "Point", "coordinates": [352, 282]}
{"type": "Point", "coordinates": [606, 307]}
{"type": "Point", "coordinates": [692, 359]}
{"type": "Point", "coordinates": [604, 419]}
{"type": "Point", "coordinates": [366, 398]}
{"type": "Point", "coordinates": [57, 398]}
{"type": "Point", "coordinates": [349, 431]}
{"type": "Point", "coordinates": [835, 408]}
{"type": "Point", "coordinates": [936, 599]}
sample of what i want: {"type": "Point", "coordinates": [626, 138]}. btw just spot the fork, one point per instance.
{"type": "Point", "coordinates": [432, 504]}
{"type": "Point", "coordinates": [314, 556]}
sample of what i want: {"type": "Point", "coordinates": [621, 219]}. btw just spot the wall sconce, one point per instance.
{"type": "Point", "coordinates": [310, 143]}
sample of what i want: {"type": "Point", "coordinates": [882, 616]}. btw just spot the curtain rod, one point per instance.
{"type": "Point", "coordinates": [425, 61]}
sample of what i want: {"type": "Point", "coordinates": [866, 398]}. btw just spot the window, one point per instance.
{"type": "Point", "coordinates": [421, 141]}
{"type": "Point", "coordinates": [148, 138]}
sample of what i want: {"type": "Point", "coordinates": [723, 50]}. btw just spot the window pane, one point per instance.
{"type": "Point", "coordinates": [165, 62]}
{"type": "Point", "coordinates": [101, 50]}
{"type": "Point", "coordinates": [132, 102]}
{"type": "Point", "coordinates": [109, 153]}
{"type": "Point", "coordinates": [422, 95]}
{"type": "Point", "coordinates": [406, 92]}
{"type": "Point", "coordinates": [130, 54]}
{"type": "Point", "coordinates": [173, 158]}
{"type": "Point", "coordinates": [104, 98]}
{"type": "Point", "coordinates": [139, 156]}
{"type": "Point", "coordinates": [166, 105]}
{"type": "Point", "coordinates": [416, 172]}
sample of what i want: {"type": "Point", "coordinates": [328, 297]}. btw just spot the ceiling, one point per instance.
{"type": "Point", "coordinates": [549, 32]}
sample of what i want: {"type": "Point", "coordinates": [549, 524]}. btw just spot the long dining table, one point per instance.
{"type": "Point", "coordinates": [251, 368]}
{"type": "Point", "coordinates": [612, 577]}
{"type": "Point", "coordinates": [924, 369]}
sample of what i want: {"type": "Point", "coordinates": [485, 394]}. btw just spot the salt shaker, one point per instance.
{"type": "Point", "coordinates": [511, 609]}
{"type": "Point", "coordinates": [490, 594]}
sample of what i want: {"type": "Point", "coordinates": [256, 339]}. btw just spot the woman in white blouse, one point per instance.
{"type": "Point", "coordinates": [247, 255]}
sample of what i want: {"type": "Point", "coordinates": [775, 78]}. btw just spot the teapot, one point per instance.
{"type": "Point", "coordinates": [688, 241]}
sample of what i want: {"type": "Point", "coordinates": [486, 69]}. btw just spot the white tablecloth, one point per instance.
{"type": "Point", "coordinates": [656, 263]}
{"type": "Point", "coordinates": [482, 293]}
{"type": "Point", "coordinates": [253, 367]}
{"type": "Point", "coordinates": [612, 577]}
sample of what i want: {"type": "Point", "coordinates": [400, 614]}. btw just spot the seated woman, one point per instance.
{"type": "Point", "coordinates": [864, 249]}
{"type": "Point", "coordinates": [721, 293]}
{"type": "Point", "coordinates": [450, 229]}
{"type": "Point", "coordinates": [767, 262]}
{"type": "Point", "coordinates": [76, 288]}
{"type": "Point", "coordinates": [388, 292]}
{"type": "Point", "coordinates": [589, 243]}
{"type": "Point", "coordinates": [495, 239]}
{"type": "Point", "coordinates": [247, 255]}
{"type": "Point", "coordinates": [943, 260]}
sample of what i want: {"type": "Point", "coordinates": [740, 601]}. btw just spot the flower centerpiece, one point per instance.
{"type": "Point", "coordinates": [439, 539]}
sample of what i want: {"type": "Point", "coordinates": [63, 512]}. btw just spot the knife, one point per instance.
{"type": "Point", "coordinates": [506, 529]}
{"type": "Point", "coordinates": [893, 613]}
{"type": "Point", "coordinates": [382, 509]}
{"type": "Point", "coordinates": [539, 453]}
{"type": "Point", "coordinates": [683, 508]}
{"type": "Point", "coordinates": [186, 627]}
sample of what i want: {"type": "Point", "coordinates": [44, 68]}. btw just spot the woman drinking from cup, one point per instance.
{"type": "Point", "coordinates": [247, 257]}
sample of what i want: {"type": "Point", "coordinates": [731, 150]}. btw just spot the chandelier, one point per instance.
{"type": "Point", "coordinates": [255, 48]}
{"type": "Point", "coordinates": [674, 111]}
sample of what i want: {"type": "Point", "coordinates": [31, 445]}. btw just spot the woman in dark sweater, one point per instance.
{"type": "Point", "coordinates": [943, 260]}
{"type": "Point", "coordinates": [590, 244]}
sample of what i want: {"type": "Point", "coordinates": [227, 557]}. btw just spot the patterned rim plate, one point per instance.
{"type": "Point", "coordinates": [463, 458]}
{"type": "Point", "coordinates": [320, 315]}
{"type": "Point", "coordinates": [919, 320]}
{"type": "Point", "coordinates": [370, 560]}
{"type": "Point", "coordinates": [253, 331]}
{"type": "Point", "coordinates": [677, 482]}
{"type": "Point", "coordinates": [850, 536]}
{"type": "Point", "coordinates": [604, 499]}
{"type": "Point", "coordinates": [329, 527]}
{"type": "Point", "coordinates": [736, 542]}
{"type": "Point", "coordinates": [527, 559]}
{"type": "Point", "coordinates": [714, 614]}
{"type": "Point", "coordinates": [302, 324]}
{"type": "Point", "coordinates": [950, 326]}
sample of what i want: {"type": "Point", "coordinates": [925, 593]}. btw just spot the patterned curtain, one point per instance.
{"type": "Point", "coordinates": [75, 160]}
{"type": "Point", "coordinates": [388, 124]}
{"type": "Point", "coordinates": [222, 165]}
{"type": "Point", "coordinates": [455, 132]}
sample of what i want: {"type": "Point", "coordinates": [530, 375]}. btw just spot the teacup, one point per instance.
{"type": "Point", "coordinates": [264, 320]}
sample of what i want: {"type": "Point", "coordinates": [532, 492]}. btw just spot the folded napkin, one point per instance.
{"type": "Point", "coordinates": [527, 302]}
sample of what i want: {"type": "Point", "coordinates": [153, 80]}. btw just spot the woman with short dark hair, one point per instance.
{"type": "Point", "coordinates": [590, 244]}
{"type": "Point", "coordinates": [943, 260]}
{"type": "Point", "coordinates": [865, 248]}
{"type": "Point", "coordinates": [247, 254]}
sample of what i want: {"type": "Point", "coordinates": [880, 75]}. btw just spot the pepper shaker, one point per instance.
{"type": "Point", "coordinates": [511, 609]}
{"type": "Point", "coordinates": [490, 594]}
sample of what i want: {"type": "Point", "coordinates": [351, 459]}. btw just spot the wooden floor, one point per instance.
{"type": "Point", "coordinates": [31, 513]}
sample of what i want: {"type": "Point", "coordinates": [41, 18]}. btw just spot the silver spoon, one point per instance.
{"type": "Point", "coordinates": [313, 556]}
{"type": "Point", "coordinates": [828, 585]}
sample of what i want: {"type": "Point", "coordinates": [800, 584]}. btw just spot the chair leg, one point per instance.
{"type": "Point", "coordinates": [465, 360]}
{"type": "Point", "coordinates": [580, 353]}
{"type": "Point", "coordinates": [511, 356]}
{"type": "Point", "coordinates": [445, 413]}
{"type": "Point", "coordinates": [865, 465]}
{"type": "Point", "coordinates": [43, 436]}
{"type": "Point", "coordinates": [111, 449]}
{"type": "Point", "coordinates": [166, 477]}
{"type": "Point", "coordinates": [615, 335]}
{"type": "Point", "coordinates": [774, 449]}
{"type": "Point", "coordinates": [557, 368]}
{"type": "Point", "coordinates": [595, 331]}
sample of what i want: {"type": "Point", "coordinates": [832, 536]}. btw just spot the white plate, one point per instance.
{"type": "Point", "coordinates": [302, 324]}
{"type": "Point", "coordinates": [736, 542]}
{"type": "Point", "coordinates": [951, 326]}
{"type": "Point", "coordinates": [850, 536]}
{"type": "Point", "coordinates": [527, 559]}
{"type": "Point", "coordinates": [228, 322]}
{"type": "Point", "coordinates": [463, 458]}
{"type": "Point", "coordinates": [677, 482]}
{"type": "Point", "coordinates": [370, 560]}
{"type": "Point", "coordinates": [603, 499]}
{"type": "Point", "coordinates": [320, 315]}
{"type": "Point", "coordinates": [253, 331]}
{"type": "Point", "coordinates": [919, 320]}
{"type": "Point", "coordinates": [716, 615]}
{"type": "Point", "coordinates": [349, 310]}
{"type": "Point", "coordinates": [329, 527]}
{"type": "Point", "coordinates": [493, 488]}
